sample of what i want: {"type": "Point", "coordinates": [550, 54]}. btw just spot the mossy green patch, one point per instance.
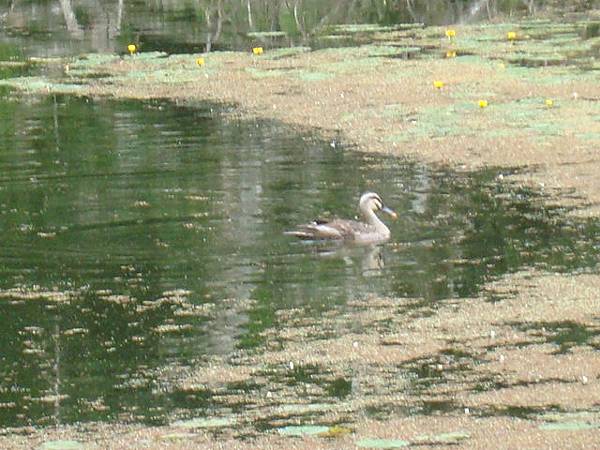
{"type": "Point", "coordinates": [61, 445]}
{"type": "Point", "coordinates": [453, 437]}
{"type": "Point", "coordinates": [41, 85]}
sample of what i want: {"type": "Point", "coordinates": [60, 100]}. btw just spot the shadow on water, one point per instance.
{"type": "Point", "coordinates": [137, 236]}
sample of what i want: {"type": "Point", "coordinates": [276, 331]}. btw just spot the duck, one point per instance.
{"type": "Point", "coordinates": [370, 231]}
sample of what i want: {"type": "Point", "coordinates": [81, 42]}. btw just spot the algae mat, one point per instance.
{"type": "Point", "coordinates": [540, 90]}
{"type": "Point", "coordinates": [531, 100]}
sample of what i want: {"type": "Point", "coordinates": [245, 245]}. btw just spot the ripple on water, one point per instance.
{"type": "Point", "coordinates": [141, 239]}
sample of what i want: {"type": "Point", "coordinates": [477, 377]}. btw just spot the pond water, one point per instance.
{"type": "Point", "coordinates": [71, 27]}
{"type": "Point", "coordinates": [139, 236]}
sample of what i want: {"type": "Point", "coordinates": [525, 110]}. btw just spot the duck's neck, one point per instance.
{"type": "Point", "coordinates": [372, 219]}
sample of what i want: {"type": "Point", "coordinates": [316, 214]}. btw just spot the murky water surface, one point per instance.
{"type": "Point", "coordinates": [136, 237]}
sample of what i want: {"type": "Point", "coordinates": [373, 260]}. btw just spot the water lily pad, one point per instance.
{"type": "Point", "coordinates": [205, 422]}
{"type": "Point", "coordinates": [303, 430]}
{"type": "Point", "coordinates": [61, 445]}
{"type": "Point", "coordinates": [382, 443]}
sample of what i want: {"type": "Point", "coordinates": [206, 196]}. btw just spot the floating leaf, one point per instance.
{"type": "Point", "coordinates": [443, 438]}
{"type": "Point", "coordinates": [335, 431]}
{"type": "Point", "coordinates": [302, 430]}
{"type": "Point", "coordinates": [382, 443]}
{"type": "Point", "coordinates": [203, 422]}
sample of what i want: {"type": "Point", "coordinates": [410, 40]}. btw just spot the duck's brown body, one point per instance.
{"type": "Point", "coordinates": [372, 230]}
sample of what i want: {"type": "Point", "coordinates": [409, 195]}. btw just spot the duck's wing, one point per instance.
{"type": "Point", "coordinates": [318, 229]}
{"type": "Point", "coordinates": [335, 229]}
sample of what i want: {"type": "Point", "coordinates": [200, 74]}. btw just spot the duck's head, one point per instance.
{"type": "Point", "coordinates": [370, 201]}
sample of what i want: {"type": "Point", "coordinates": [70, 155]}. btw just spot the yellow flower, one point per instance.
{"type": "Point", "coordinates": [451, 54]}
{"type": "Point", "coordinates": [200, 61]}
{"type": "Point", "coordinates": [482, 103]}
{"type": "Point", "coordinates": [450, 33]}
{"type": "Point", "coordinates": [132, 48]}
{"type": "Point", "coordinates": [511, 35]}
{"type": "Point", "coordinates": [549, 102]}
{"type": "Point", "coordinates": [257, 50]}
{"type": "Point", "coordinates": [438, 84]}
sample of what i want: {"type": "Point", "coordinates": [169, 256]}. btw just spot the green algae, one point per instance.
{"type": "Point", "coordinates": [443, 438]}
{"type": "Point", "coordinates": [93, 60]}
{"type": "Point", "coordinates": [539, 57]}
{"type": "Point", "coordinates": [313, 76]}
{"type": "Point", "coordinates": [61, 445]}
{"type": "Point", "coordinates": [568, 426]}
{"type": "Point", "coordinates": [41, 85]}
{"type": "Point", "coordinates": [260, 73]}
{"type": "Point", "coordinates": [570, 421]}
{"type": "Point", "coordinates": [284, 52]}
{"type": "Point", "coordinates": [449, 438]}
{"type": "Point", "coordinates": [540, 44]}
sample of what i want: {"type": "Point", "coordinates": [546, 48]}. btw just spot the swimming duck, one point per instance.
{"type": "Point", "coordinates": [371, 231]}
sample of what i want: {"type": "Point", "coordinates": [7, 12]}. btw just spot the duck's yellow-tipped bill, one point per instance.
{"type": "Point", "coordinates": [391, 213]}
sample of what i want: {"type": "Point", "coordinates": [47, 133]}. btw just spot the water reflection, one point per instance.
{"type": "Point", "coordinates": [70, 27]}
{"type": "Point", "coordinates": [141, 236]}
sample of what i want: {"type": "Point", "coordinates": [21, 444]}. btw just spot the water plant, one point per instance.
{"type": "Point", "coordinates": [132, 49]}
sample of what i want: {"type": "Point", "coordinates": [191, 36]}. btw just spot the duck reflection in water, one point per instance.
{"type": "Point", "coordinates": [368, 257]}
